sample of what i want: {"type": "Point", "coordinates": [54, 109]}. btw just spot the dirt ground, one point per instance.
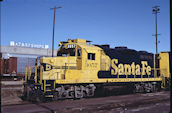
{"type": "Point", "coordinates": [11, 92]}
{"type": "Point", "coordinates": [158, 102]}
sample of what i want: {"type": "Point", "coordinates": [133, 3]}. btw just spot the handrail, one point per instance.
{"type": "Point", "coordinates": [35, 74]}
{"type": "Point", "coordinates": [26, 75]}
{"type": "Point", "coordinates": [67, 66]}
{"type": "Point", "coordinates": [41, 76]}
{"type": "Point", "coordinates": [30, 71]}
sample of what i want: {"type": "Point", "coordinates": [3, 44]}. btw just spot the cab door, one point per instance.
{"type": "Point", "coordinates": [79, 58]}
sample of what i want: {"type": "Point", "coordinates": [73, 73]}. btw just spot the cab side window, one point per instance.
{"type": "Point", "coordinates": [72, 52]}
{"type": "Point", "coordinates": [79, 52]}
{"type": "Point", "coordinates": [91, 56]}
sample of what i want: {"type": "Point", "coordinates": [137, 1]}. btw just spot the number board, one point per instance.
{"type": "Point", "coordinates": [71, 46]}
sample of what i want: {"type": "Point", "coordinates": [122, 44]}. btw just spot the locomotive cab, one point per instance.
{"type": "Point", "coordinates": [75, 59]}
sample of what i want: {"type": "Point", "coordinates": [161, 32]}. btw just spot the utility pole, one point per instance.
{"type": "Point", "coordinates": [170, 52]}
{"type": "Point", "coordinates": [156, 11]}
{"type": "Point", "coordinates": [54, 28]}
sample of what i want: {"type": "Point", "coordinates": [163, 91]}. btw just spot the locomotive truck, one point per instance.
{"type": "Point", "coordinates": [80, 69]}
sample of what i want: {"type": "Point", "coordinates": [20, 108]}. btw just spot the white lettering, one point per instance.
{"type": "Point", "coordinates": [23, 44]}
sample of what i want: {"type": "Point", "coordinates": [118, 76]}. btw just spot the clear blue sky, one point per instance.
{"type": "Point", "coordinates": [116, 22]}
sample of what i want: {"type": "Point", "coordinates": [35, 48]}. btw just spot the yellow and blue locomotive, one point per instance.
{"type": "Point", "coordinates": [80, 68]}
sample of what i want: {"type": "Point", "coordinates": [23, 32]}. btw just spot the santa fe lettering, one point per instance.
{"type": "Point", "coordinates": [133, 69]}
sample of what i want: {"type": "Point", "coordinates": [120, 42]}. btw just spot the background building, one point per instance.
{"type": "Point", "coordinates": [14, 59]}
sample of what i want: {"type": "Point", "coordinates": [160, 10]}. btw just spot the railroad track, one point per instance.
{"type": "Point", "coordinates": [128, 103]}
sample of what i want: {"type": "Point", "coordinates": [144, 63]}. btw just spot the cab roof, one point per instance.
{"type": "Point", "coordinates": [82, 43]}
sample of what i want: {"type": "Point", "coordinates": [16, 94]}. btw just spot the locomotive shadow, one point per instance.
{"type": "Point", "coordinates": [113, 91]}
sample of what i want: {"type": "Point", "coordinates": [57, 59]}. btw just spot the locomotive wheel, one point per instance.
{"type": "Point", "coordinates": [55, 96]}
{"type": "Point", "coordinates": [38, 99]}
{"type": "Point", "coordinates": [37, 96]}
{"type": "Point", "coordinates": [78, 92]}
{"type": "Point", "coordinates": [138, 88]}
{"type": "Point", "coordinates": [26, 93]}
{"type": "Point", "coordinates": [72, 94]}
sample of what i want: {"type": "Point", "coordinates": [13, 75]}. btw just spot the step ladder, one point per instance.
{"type": "Point", "coordinates": [48, 87]}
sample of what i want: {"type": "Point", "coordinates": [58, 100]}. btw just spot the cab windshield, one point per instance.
{"type": "Point", "coordinates": [66, 52]}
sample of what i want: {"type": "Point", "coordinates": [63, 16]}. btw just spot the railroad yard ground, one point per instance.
{"type": "Point", "coordinates": [158, 102]}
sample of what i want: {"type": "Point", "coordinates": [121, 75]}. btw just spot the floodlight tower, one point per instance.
{"type": "Point", "coordinates": [156, 11]}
